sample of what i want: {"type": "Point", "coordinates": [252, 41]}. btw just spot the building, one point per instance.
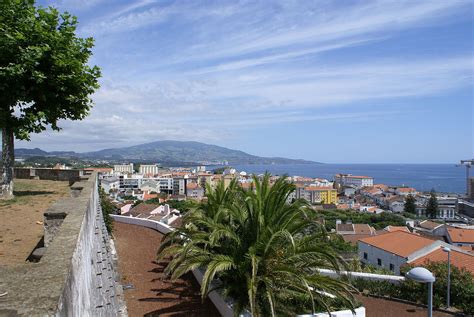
{"type": "Point", "coordinates": [317, 195]}
{"type": "Point", "coordinates": [396, 205]}
{"type": "Point", "coordinates": [394, 249]}
{"type": "Point", "coordinates": [193, 190]}
{"type": "Point", "coordinates": [110, 184]}
{"type": "Point", "coordinates": [459, 258]}
{"type": "Point", "coordinates": [354, 180]}
{"type": "Point", "coordinates": [447, 207]}
{"type": "Point", "coordinates": [353, 232]}
{"type": "Point", "coordinates": [460, 236]}
{"type": "Point", "coordinates": [470, 191]}
{"type": "Point", "coordinates": [405, 191]}
{"type": "Point", "coordinates": [123, 168]}
{"type": "Point", "coordinates": [151, 169]}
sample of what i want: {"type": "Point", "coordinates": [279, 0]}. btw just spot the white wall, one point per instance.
{"type": "Point", "coordinates": [387, 258]}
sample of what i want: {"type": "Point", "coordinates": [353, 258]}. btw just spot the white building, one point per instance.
{"type": "Point", "coordinates": [110, 184]}
{"type": "Point", "coordinates": [151, 169]}
{"type": "Point", "coordinates": [394, 249]}
{"type": "Point", "coordinates": [123, 168]}
{"type": "Point", "coordinates": [354, 180]}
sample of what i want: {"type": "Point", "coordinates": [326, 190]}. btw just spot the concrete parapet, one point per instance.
{"type": "Point", "coordinates": [77, 274]}
{"type": "Point", "coordinates": [71, 175]}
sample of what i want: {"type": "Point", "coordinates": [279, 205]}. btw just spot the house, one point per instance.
{"type": "Point", "coordinates": [396, 228]}
{"type": "Point", "coordinates": [353, 232]}
{"type": "Point", "coordinates": [394, 249]}
{"type": "Point", "coordinates": [460, 236]}
{"type": "Point", "coordinates": [405, 191]}
{"type": "Point", "coordinates": [432, 228]}
{"type": "Point", "coordinates": [396, 205]}
{"type": "Point", "coordinates": [459, 258]}
{"type": "Point", "coordinates": [110, 184]}
{"type": "Point", "coordinates": [193, 190]}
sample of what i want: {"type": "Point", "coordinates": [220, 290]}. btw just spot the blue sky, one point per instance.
{"type": "Point", "coordinates": [331, 81]}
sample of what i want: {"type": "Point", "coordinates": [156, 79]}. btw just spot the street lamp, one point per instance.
{"type": "Point", "coordinates": [448, 295]}
{"type": "Point", "coordinates": [422, 275]}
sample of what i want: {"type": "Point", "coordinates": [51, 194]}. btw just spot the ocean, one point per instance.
{"type": "Point", "coordinates": [445, 178]}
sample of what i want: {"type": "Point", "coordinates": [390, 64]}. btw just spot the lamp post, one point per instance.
{"type": "Point", "coordinates": [422, 275]}
{"type": "Point", "coordinates": [448, 294]}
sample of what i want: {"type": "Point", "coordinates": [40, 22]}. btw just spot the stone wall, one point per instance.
{"type": "Point", "coordinates": [77, 275]}
{"type": "Point", "coordinates": [71, 175]}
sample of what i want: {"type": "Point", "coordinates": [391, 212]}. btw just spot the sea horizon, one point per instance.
{"type": "Point", "coordinates": [442, 177]}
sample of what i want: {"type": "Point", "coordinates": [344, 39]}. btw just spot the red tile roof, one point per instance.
{"type": "Point", "coordinates": [459, 235]}
{"type": "Point", "coordinates": [398, 242]}
{"type": "Point", "coordinates": [458, 258]}
{"type": "Point", "coordinates": [428, 224]}
{"type": "Point", "coordinates": [396, 228]}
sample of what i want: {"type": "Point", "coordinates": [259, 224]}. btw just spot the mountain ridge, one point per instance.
{"type": "Point", "coordinates": [169, 151]}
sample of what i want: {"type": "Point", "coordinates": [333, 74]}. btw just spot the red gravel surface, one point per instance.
{"type": "Point", "coordinates": [152, 295]}
{"type": "Point", "coordinates": [377, 307]}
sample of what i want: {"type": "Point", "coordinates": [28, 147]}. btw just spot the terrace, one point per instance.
{"type": "Point", "coordinates": [21, 228]}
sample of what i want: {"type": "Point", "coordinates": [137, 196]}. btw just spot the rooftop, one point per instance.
{"type": "Point", "coordinates": [461, 235]}
{"type": "Point", "coordinates": [21, 225]}
{"type": "Point", "coordinates": [459, 259]}
{"type": "Point", "coordinates": [429, 225]}
{"type": "Point", "coordinates": [398, 242]}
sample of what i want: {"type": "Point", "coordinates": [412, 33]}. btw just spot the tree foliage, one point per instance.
{"type": "Point", "coordinates": [432, 205]}
{"type": "Point", "coordinates": [107, 209]}
{"type": "Point", "coordinates": [410, 206]}
{"type": "Point", "coordinates": [44, 75]}
{"type": "Point", "coordinates": [262, 251]}
{"type": "Point", "coordinates": [44, 72]}
{"type": "Point", "coordinates": [378, 221]}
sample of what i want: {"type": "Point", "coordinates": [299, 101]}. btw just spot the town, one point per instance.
{"type": "Point", "coordinates": [412, 236]}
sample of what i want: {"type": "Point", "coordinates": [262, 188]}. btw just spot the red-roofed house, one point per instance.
{"type": "Point", "coordinates": [460, 236]}
{"type": "Point", "coordinates": [394, 249]}
{"type": "Point", "coordinates": [459, 258]}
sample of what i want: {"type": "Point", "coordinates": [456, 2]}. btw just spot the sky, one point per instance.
{"type": "Point", "coordinates": [330, 81]}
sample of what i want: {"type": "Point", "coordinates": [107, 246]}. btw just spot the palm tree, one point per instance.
{"type": "Point", "coordinates": [259, 249]}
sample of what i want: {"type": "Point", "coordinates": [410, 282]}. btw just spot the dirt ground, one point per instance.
{"type": "Point", "coordinates": [377, 307]}
{"type": "Point", "coordinates": [151, 295]}
{"type": "Point", "coordinates": [21, 219]}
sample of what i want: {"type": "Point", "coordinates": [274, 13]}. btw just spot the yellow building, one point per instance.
{"type": "Point", "coordinates": [314, 194]}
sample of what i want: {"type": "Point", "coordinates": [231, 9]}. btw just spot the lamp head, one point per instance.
{"type": "Point", "coordinates": [420, 274]}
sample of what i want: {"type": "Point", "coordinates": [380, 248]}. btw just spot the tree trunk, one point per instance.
{"type": "Point", "coordinates": [8, 158]}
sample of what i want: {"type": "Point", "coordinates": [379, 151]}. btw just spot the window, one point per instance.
{"type": "Point", "coordinates": [392, 267]}
{"type": "Point", "coordinates": [365, 255]}
{"type": "Point", "coordinates": [379, 262]}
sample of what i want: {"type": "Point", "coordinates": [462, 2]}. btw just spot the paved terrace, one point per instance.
{"type": "Point", "coordinates": [152, 295]}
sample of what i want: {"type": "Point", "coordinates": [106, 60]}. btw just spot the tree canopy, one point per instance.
{"type": "Point", "coordinates": [264, 251]}
{"type": "Point", "coordinates": [410, 206]}
{"type": "Point", "coordinates": [44, 73]}
{"type": "Point", "coordinates": [432, 205]}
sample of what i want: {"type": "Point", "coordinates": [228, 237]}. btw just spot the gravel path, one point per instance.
{"type": "Point", "coordinates": [152, 296]}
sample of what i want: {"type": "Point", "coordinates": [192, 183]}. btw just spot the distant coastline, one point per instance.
{"type": "Point", "coordinates": [446, 178]}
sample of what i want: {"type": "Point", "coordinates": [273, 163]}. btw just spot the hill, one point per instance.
{"type": "Point", "coordinates": [188, 152]}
